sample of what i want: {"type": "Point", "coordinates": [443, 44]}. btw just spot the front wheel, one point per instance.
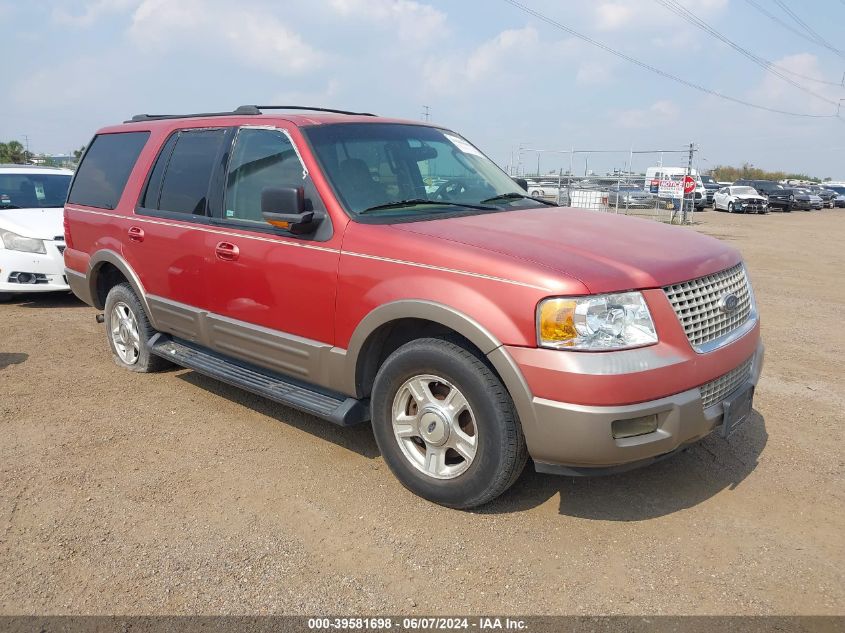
{"type": "Point", "coordinates": [730, 207]}
{"type": "Point", "coordinates": [446, 425]}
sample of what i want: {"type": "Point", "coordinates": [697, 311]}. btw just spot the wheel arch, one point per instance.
{"type": "Point", "coordinates": [366, 351]}
{"type": "Point", "coordinates": [106, 268]}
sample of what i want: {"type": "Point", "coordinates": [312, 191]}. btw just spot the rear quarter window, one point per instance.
{"type": "Point", "coordinates": [102, 175]}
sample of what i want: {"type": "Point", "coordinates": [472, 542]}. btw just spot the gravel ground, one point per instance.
{"type": "Point", "coordinates": [173, 493]}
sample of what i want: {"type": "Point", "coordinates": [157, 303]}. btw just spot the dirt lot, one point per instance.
{"type": "Point", "coordinates": [173, 493]}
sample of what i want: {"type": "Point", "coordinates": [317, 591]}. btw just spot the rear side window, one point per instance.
{"type": "Point", "coordinates": [101, 177]}
{"type": "Point", "coordinates": [179, 182]}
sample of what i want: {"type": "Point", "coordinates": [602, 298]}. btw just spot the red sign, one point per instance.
{"type": "Point", "coordinates": [689, 184]}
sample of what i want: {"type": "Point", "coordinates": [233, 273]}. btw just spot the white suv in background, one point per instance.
{"type": "Point", "coordinates": [31, 229]}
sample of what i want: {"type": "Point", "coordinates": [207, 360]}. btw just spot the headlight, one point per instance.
{"type": "Point", "coordinates": [595, 323]}
{"type": "Point", "coordinates": [15, 242]}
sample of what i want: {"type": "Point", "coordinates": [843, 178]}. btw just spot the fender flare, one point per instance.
{"type": "Point", "coordinates": [455, 320]}
{"type": "Point", "coordinates": [107, 256]}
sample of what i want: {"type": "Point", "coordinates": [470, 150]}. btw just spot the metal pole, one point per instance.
{"type": "Point", "coordinates": [692, 195]}
{"type": "Point", "coordinates": [539, 153]}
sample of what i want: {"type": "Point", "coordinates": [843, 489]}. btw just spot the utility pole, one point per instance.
{"type": "Point", "coordinates": [426, 113]}
{"type": "Point", "coordinates": [692, 195]}
{"type": "Point", "coordinates": [27, 155]}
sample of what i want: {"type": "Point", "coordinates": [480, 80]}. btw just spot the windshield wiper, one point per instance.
{"type": "Point", "coordinates": [517, 196]}
{"type": "Point", "coordinates": [9, 206]}
{"type": "Point", "coordinates": [413, 202]}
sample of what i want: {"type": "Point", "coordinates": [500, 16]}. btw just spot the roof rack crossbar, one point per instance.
{"type": "Point", "coordinates": [308, 108]}
{"type": "Point", "coordinates": [240, 111]}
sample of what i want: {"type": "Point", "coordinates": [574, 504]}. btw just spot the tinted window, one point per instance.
{"type": "Point", "coordinates": [101, 177]}
{"type": "Point", "coordinates": [261, 159]}
{"type": "Point", "coordinates": [184, 186]}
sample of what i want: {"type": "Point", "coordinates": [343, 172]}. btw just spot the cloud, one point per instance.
{"type": "Point", "coordinates": [645, 16]}
{"type": "Point", "coordinates": [414, 22]}
{"type": "Point", "coordinates": [257, 38]}
{"type": "Point", "coordinates": [92, 11]}
{"type": "Point", "coordinates": [594, 73]}
{"type": "Point", "coordinates": [657, 114]}
{"type": "Point", "coordinates": [777, 93]}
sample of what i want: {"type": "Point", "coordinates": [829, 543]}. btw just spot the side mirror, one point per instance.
{"type": "Point", "coordinates": [522, 183]}
{"type": "Point", "coordinates": [284, 208]}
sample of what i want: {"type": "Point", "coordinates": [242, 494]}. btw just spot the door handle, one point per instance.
{"type": "Point", "coordinates": [136, 234]}
{"type": "Point", "coordinates": [226, 251]}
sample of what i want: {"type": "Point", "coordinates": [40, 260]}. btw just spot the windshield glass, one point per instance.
{"type": "Point", "coordinates": [402, 170]}
{"type": "Point", "coordinates": [708, 180]}
{"type": "Point", "coordinates": [33, 191]}
{"type": "Point", "coordinates": [744, 191]}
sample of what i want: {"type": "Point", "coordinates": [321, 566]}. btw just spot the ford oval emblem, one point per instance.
{"type": "Point", "coordinates": [729, 302]}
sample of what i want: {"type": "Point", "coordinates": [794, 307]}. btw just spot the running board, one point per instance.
{"type": "Point", "coordinates": [335, 408]}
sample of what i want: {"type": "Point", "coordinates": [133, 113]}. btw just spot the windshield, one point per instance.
{"type": "Point", "coordinates": [744, 191]}
{"type": "Point", "coordinates": [839, 190]}
{"type": "Point", "coordinates": [33, 191]}
{"type": "Point", "coordinates": [401, 170]}
{"type": "Point", "coordinates": [708, 180]}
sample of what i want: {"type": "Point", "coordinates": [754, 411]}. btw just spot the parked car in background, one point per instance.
{"type": "Point", "coordinates": [624, 196]}
{"type": "Point", "coordinates": [710, 187]}
{"type": "Point", "coordinates": [839, 190]}
{"type": "Point", "coordinates": [828, 196]}
{"type": "Point", "coordinates": [474, 326]}
{"type": "Point", "coordinates": [779, 197]}
{"type": "Point", "coordinates": [740, 199]}
{"type": "Point", "coordinates": [31, 229]}
{"type": "Point", "coordinates": [548, 191]}
{"type": "Point", "coordinates": [807, 200]}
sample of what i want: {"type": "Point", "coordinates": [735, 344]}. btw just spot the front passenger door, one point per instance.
{"type": "Point", "coordinates": [275, 290]}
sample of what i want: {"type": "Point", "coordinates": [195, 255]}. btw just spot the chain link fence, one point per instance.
{"type": "Point", "coordinates": [650, 184]}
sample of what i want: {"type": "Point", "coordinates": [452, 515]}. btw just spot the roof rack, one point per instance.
{"type": "Point", "coordinates": [248, 110]}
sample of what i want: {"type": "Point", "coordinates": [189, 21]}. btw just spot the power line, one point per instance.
{"type": "Point", "coordinates": [765, 64]}
{"type": "Point", "coordinates": [816, 37]}
{"type": "Point", "coordinates": [791, 28]}
{"type": "Point", "coordinates": [658, 71]}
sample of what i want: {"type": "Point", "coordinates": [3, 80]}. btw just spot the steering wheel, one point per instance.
{"type": "Point", "coordinates": [451, 188]}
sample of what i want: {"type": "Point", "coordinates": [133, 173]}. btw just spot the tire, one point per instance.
{"type": "Point", "coordinates": [537, 194]}
{"type": "Point", "coordinates": [128, 329]}
{"type": "Point", "coordinates": [414, 426]}
{"type": "Point", "coordinates": [730, 207]}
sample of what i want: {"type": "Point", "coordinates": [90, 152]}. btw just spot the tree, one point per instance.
{"type": "Point", "coordinates": [750, 172]}
{"type": "Point", "coordinates": [77, 154]}
{"type": "Point", "coordinates": [14, 152]}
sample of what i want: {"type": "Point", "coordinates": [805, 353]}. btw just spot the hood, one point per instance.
{"type": "Point", "coordinates": [43, 224]}
{"type": "Point", "coordinates": [749, 196]}
{"type": "Point", "coordinates": [604, 251]}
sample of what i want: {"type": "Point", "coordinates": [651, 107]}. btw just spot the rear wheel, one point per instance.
{"type": "Point", "coordinates": [446, 425]}
{"type": "Point", "coordinates": [128, 329]}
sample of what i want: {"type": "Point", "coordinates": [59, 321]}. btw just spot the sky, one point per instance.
{"type": "Point", "coordinates": [502, 78]}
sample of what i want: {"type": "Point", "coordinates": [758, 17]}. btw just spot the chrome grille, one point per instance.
{"type": "Point", "coordinates": [716, 390]}
{"type": "Point", "coordinates": [696, 303]}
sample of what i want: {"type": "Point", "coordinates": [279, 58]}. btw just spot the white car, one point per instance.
{"type": "Point", "coordinates": [32, 240]}
{"type": "Point", "coordinates": [740, 199]}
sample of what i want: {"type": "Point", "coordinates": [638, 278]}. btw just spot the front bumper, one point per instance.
{"type": "Point", "coordinates": [47, 267]}
{"type": "Point", "coordinates": [576, 439]}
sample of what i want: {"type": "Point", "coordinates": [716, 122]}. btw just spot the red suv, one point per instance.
{"type": "Point", "coordinates": [362, 268]}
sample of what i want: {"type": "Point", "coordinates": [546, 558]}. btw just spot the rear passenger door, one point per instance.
{"type": "Point", "coordinates": [275, 290]}
{"type": "Point", "coordinates": [171, 239]}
